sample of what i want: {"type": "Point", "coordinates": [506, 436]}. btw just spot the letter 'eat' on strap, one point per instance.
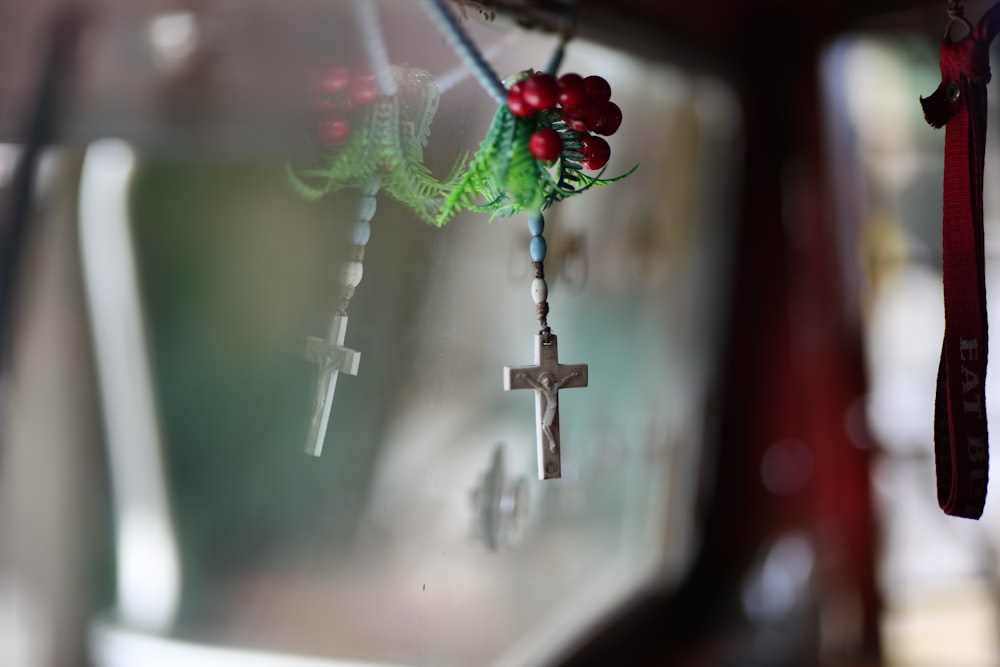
{"type": "Point", "coordinates": [959, 103]}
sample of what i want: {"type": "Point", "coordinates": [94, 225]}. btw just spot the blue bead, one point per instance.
{"type": "Point", "coordinates": [536, 223]}
{"type": "Point", "coordinates": [370, 187]}
{"type": "Point", "coordinates": [537, 249]}
{"type": "Point", "coordinates": [362, 232]}
{"type": "Point", "coordinates": [366, 208]}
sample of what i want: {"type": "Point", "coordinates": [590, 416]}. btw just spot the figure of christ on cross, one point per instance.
{"type": "Point", "coordinates": [546, 378]}
{"type": "Point", "coordinates": [333, 358]}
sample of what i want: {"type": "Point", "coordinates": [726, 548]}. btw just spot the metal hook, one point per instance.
{"type": "Point", "coordinates": [956, 14]}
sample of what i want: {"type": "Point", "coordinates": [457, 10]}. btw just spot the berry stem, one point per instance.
{"type": "Point", "coordinates": [366, 18]}
{"type": "Point", "coordinates": [465, 49]}
{"type": "Point", "coordinates": [556, 60]}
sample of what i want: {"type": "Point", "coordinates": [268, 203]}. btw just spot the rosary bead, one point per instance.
{"type": "Point", "coordinates": [539, 290]}
{"type": "Point", "coordinates": [366, 208]}
{"type": "Point", "coordinates": [370, 187]}
{"type": "Point", "coordinates": [536, 223]}
{"type": "Point", "coordinates": [362, 232]}
{"type": "Point", "coordinates": [353, 271]}
{"type": "Point", "coordinates": [537, 248]}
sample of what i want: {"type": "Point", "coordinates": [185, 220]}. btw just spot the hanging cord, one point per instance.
{"type": "Point", "coordinates": [555, 62]}
{"type": "Point", "coordinates": [460, 72]}
{"type": "Point", "coordinates": [567, 28]}
{"type": "Point", "coordinates": [366, 18]}
{"type": "Point", "coordinates": [466, 50]}
{"type": "Point", "coordinates": [542, 307]}
{"type": "Point", "coordinates": [360, 233]}
{"type": "Point", "coordinates": [370, 29]}
{"type": "Point", "coordinates": [41, 122]}
{"type": "Point", "coordinates": [539, 288]}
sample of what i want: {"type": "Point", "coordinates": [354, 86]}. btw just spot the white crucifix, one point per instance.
{"type": "Point", "coordinates": [546, 377]}
{"type": "Point", "coordinates": [333, 358]}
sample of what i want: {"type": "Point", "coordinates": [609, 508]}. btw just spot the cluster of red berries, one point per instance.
{"type": "Point", "coordinates": [586, 108]}
{"type": "Point", "coordinates": [338, 93]}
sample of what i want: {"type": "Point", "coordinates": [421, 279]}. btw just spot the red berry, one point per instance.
{"type": "Point", "coordinates": [583, 117]}
{"type": "Point", "coordinates": [541, 91]}
{"type": "Point", "coordinates": [609, 119]}
{"type": "Point", "coordinates": [576, 122]}
{"type": "Point", "coordinates": [593, 112]}
{"type": "Point", "coordinates": [364, 89]}
{"type": "Point", "coordinates": [334, 80]}
{"type": "Point", "coordinates": [516, 103]}
{"type": "Point", "coordinates": [333, 130]}
{"type": "Point", "coordinates": [545, 144]}
{"type": "Point", "coordinates": [598, 88]}
{"type": "Point", "coordinates": [596, 152]}
{"type": "Point", "coordinates": [572, 90]}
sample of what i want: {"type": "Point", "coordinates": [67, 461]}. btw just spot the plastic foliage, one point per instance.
{"type": "Point", "coordinates": [504, 177]}
{"type": "Point", "coordinates": [387, 140]}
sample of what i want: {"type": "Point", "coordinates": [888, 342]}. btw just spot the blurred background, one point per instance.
{"type": "Point", "coordinates": [747, 481]}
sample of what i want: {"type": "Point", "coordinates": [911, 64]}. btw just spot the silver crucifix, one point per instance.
{"type": "Point", "coordinates": [333, 358]}
{"type": "Point", "coordinates": [546, 377]}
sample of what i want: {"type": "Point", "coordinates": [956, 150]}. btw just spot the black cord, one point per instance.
{"type": "Point", "coordinates": [39, 126]}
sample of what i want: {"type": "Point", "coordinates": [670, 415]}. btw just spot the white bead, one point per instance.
{"type": "Point", "coordinates": [539, 290]}
{"type": "Point", "coordinates": [353, 271]}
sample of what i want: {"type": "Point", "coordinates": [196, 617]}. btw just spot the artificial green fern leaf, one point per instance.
{"type": "Point", "coordinates": [504, 177]}
{"type": "Point", "coordinates": [470, 185]}
{"type": "Point", "coordinates": [387, 141]}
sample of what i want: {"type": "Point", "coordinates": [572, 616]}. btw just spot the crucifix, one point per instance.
{"type": "Point", "coordinates": [371, 126]}
{"type": "Point", "coordinates": [546, 378]}
{"type": "Point", "coordinates": [333, 358]}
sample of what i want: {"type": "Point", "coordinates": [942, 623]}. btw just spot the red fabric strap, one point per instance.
{"type": "Point", "coordinates": [960, 440]}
